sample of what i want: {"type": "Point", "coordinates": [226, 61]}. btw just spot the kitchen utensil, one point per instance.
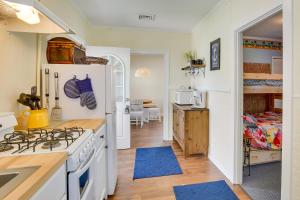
{"type": "Point", "coordinates": [71, 89]}
{"type": "Point", "coordinates": [56, 113]}
{"type": "Point", "coordinates": [25, 99]}
{"type": "Point", "coordinates": [47, 87]}
{"type": "Point", "coordinates": [35, 99]}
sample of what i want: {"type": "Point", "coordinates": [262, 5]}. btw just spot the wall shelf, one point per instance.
{"type": "Point", "coordinates": [195, 69]}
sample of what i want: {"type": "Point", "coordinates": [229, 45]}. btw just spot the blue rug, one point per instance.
{"type": "Point", "coordinates": [218, 190]}
{"type": "Point", "coordinates": [154, 162]}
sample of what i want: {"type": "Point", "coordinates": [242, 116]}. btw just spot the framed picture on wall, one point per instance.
{"type": "Point", "coordinates": [215, 50]}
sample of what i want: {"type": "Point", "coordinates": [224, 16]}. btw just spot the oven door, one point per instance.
{"type": "Point", "coordinates": [81, 181]}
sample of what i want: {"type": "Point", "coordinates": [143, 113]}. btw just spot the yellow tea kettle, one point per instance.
{"type": "Point", "coordinates": [33, 119]}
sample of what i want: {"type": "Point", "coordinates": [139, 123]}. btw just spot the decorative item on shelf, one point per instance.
{"type": "Point", "coordinates": [195, 69]}
{"type": "Point", "coordinates": [62, 50]}
{"type": "Point", "coordinates": [262, 44]}
{"type": "Point", "coordinates": [94, 60]}
{"type": "Point", "coordinates": [190, 57]}
{"type": "Point", "coordinates": [215, 54]}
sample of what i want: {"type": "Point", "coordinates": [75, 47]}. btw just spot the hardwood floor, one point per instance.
{"type": "Point", "coordinates": [195, 170]}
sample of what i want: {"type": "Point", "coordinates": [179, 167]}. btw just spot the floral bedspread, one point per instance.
{"type": "Point", "coordinates": [264, 129]}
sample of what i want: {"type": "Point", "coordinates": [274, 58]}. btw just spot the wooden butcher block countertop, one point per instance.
{"type": "Point", "coordinates": [94, 124]}
{"type": "Point", "coordinates": [48, 164]}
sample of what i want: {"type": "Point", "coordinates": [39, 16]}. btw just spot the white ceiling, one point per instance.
{"type": "Point", "coordinates": [176, 15]}
{"type": "Point", "coordinates": [269, 28]}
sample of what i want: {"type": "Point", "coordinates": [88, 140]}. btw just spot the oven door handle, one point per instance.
{"type": "Point", "coordinates": [84, 166]}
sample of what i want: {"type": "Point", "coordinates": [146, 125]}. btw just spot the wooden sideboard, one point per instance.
{"type": "Point", "coordinates": [190, 129]}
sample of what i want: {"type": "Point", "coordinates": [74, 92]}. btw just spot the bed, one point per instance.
{"type": "Point", "coordinates": [262, 83]}
{"type": "Point", "coordinates": [263, 132]}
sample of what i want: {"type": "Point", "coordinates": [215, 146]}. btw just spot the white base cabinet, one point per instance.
{"type": "Point", "coordinates": [100, 166]}
{"type": "Point", "coordinates": [55, 188]}
{"type": "Point", "coordinates": [100, 175]}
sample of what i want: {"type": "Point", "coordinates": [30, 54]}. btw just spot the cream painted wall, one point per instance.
{"type": "Point", "coordinates": [18, 53]}
{"type": "Point", "coordinates": [149, 87]}
{"type": "Point", "coordinates": [139, 39]}
{"type": "Point", "coordinates": [221, 22]}
{"type": "Point", "coordinates": [296, 105]}
{"type": "Point", "coordinates": [17, 67]}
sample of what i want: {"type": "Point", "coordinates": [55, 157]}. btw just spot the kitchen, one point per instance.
{"type": "Point", "coordinates": [49, 140]}
{"type": "Point", "coordinates": [65, 105]}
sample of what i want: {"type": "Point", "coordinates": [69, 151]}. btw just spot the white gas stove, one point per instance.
{"type": "Point", "coordinates": [77, 142]}
{"type": "Point", "coordinates": [80, 144]}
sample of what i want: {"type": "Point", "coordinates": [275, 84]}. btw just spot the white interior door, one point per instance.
{"type": "Point", "coordinates": [122, 118]}
{"type": "Point", "coordinates": [119, 59]}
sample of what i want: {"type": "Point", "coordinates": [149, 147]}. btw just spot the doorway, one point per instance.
{"type": "Point", "coordinates": [148, 99]}
{"type": "Point", "coordinates": [260, 103]}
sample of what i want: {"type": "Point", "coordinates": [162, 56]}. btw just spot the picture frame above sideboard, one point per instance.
{"type": "Point", "coordinates": [215, 54]}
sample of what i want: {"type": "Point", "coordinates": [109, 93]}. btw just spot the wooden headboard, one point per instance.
{"type": "Point", "coordinates": [257, 103]}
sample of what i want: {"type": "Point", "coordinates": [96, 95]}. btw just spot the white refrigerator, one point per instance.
{"type": "Point", "coordinates": [102, 79]}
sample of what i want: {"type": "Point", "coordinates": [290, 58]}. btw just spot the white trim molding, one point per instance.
{"type": "Point", "coordinates": [287, 91]}
{"type": "Point", "coordinates": [286, 175]}
{"type": "Point", "coordinates": [287, 8]}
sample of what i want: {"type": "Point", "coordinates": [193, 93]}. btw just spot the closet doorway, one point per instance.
{"type": "Point", "coordinates": [261, 86]}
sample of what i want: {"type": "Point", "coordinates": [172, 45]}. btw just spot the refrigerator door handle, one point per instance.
{"type": "Point", "coordinates": [127, 109]}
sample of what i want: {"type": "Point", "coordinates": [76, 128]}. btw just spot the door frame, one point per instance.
{"type": "Point", "coordinates": [287, 96]}
{"type": "Point", "coordinates": [165, 54]}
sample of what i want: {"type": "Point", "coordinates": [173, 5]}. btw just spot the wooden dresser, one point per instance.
{"type": "Point", "coordinates": [190, 129]}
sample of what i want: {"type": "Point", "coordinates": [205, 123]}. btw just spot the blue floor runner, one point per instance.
{"type": "Point", "coordinates": [154, 162]}
{"type": "Point", "coordinates": [218, 190]}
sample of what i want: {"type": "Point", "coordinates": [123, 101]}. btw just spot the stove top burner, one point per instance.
{"type": "Point", "coordinates": [51, 144]}
{"type": "Point", "coordinates": [18, 136]}
{"type": "Point", "coordinates": [65, 135]}
{"type": "Point", "coordinates": [35, 139]}
{"type": "Point", "coordinates": [5, 147]}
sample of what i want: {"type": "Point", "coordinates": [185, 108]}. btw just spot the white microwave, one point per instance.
{"type": "Point", "coordinates": [184, 97]}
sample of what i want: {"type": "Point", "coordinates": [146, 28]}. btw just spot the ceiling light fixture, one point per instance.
{"type": "Point", "coordinates": [24, 12]}
{"type": "Point", "coordinates": [142, 72]}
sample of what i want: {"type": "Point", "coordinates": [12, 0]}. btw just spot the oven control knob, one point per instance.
{"type": "Point", "coordinates": [89, 144]}
{"type": "Point", "coordinates": [86, 149]}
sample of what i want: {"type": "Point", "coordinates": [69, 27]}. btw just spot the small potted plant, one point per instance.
{"type": "Point", "coordinates": [190, 57]}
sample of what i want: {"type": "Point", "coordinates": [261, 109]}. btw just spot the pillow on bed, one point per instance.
{"type": "Point", "coordinates": [249, 121]}
{"type": "Point", "coordinates": [249, 118]}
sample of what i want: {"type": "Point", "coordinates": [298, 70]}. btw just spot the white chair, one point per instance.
{"type": "Point", "coordinates": [154, 114]}
{"type": "Point", "coordinates": [137, 112]}
{"type": "Point", "coordinates": [146, 115]}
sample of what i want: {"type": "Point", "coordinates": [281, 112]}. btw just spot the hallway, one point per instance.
{"type": "Point", "coordinates": [195, 170]}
